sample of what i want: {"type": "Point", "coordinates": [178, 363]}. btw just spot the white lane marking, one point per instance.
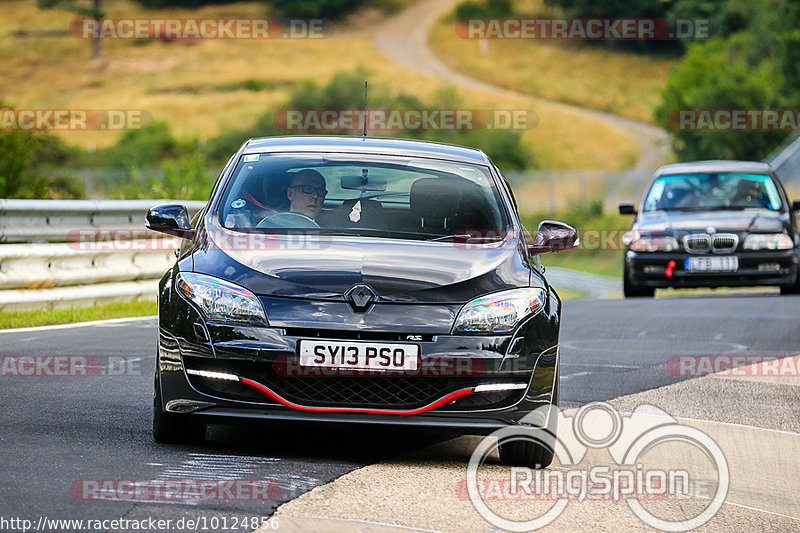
{"type": "Point", "coordinates": [694, 495]}
{"type": "Point", "coordinates": [222, 467]}
{"type": "Point", "coordinates": [576, 374]}
{"type": "Point", "coordinates": [371, 522]}
{"type": "Point", "coordinates": [743, 506]}
{"type": "Point", "coordinates": [599, 365]}
{"type": "Point", "coordinates": [693, 347]}
{"type": "Point", "coordinates": [107, 322]}
{"type": "Point", "coordinates": [734, 424]}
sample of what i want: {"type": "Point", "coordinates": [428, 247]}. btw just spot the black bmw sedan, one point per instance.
{"type": "Point", "coordinates": [375, 281]}
{"type": "Point", "coordinates": [711, 224]}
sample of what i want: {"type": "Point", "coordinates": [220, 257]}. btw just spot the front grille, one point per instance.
{"type": "Point", "coordinates": [371, 390]}
{"type": "Point", "coordinates": [725, 242]}
{"type": "Point", "coordinates": [367, 391]}
{"type": "Point", "coordinates": [697, 243]}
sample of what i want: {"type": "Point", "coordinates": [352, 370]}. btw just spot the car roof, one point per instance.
{"type": "Point", "coordinates": [369, 145]}
{"type": "Point", "coordinates": [745, 167]}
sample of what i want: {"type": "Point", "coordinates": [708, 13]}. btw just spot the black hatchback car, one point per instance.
{"type": "Point", "coordinates": [711, 224]}
{"type": "Point", "coordinates": [378, 281]}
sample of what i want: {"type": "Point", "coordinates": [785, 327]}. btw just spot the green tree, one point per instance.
{"type": "Point", "coordinates": [144, 147]}
{"type": "Point", "coordinates": [752, 68]}
{"type": "Point", "coordinates": [720, 75]}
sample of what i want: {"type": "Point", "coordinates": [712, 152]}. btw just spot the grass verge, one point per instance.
{"type": "Point", "coordinates": [48, 317]}
{"type": "Point", "coordinates": [569, 294]}
{"type": "Point", "coordinates": [602, 263]}
{"type": "Point", "coordinates": [204, 88]}
{"type": "Point", "coordinates": [587, 75]}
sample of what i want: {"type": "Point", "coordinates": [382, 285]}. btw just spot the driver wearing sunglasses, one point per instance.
{"type": "Point", "coordinates": [306, 193]}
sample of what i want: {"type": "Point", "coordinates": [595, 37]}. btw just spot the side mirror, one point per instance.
{"type": "Point", "coordinates": [796, 205]}
{"type": "Point", "coordinates": [626, 209]}
{"type": "Point", "coordinates": [172, 219]}
{"type": "Point", "coordinates": [554, 236]}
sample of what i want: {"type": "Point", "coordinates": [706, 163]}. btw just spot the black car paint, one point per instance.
{"type": "Point", "coordinates": [740, 222]}
{"type": "Point", "coordinates": [419, 295]}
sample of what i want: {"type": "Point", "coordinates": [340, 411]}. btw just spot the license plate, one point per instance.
{"type": "Point", "coordinates": [359, 355]}
{"type": "Point", "coordinates": [725, 263]}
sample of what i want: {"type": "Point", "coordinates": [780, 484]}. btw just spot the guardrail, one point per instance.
{"type": "Point", "coordinates": [35, 273]}
{"type": "Point", "coordinates": [53, 220]}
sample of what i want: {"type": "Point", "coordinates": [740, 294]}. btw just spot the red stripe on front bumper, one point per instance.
{"type": "Point", "coordinates": [438, 403]}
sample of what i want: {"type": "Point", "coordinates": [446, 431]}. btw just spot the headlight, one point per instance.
{"type": "Point", "coordinates": [768, 241]}
{"type": "Point", "coordinates": [646, 243]}
{"type": "Point", "coordinates": [499, 312]}
{"type": "Point", "coordinates": [218, 299]}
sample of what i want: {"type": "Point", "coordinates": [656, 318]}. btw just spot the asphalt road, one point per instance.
{"type": "Point", "coordinates": [57, 432]}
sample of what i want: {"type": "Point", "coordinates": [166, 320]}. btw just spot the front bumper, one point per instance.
{"type": "Point", "coordinates": [760, 268]}
{"type": "Point", "coordinates": [272, 386]}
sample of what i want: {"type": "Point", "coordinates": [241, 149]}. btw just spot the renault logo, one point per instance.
{"type": "Point", "coordinates": [360, 297]}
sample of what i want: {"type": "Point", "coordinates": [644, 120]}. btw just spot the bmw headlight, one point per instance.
{"type": "Point", "coordinates": [649, 243]}
{"type": "Point", "coordinates": [768, 241]}
{"type": "Point", "coordinates": [221, 300]}
{"type": "Point", "coordinates": [499, 312]}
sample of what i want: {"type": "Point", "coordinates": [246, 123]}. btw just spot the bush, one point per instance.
{"type": "Point", "coordinates": [26, 159]}
{"type": "Point", "coordinates": [346, 91]}
{"type": "Point", "coordinates": [720, 74]}
{"type": "Point", "coordinates": [155, 4]}
{"type": "Point", "coordinates": [330, 9]}
{"type": "Point", "coordinates": [144, 147]}
{"type": "Point", "coordinates": [485, 9]}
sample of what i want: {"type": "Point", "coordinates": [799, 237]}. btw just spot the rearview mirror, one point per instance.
{"type": "Point", "coordinates": [626, 209]}
{"type": "Point", "coordinates": [172, 219]}
{"type": "Point", "coordinates": [553, 236]}
{"type": "Point", "coordinates": [796, 205]}
{"type": "Point", "coordinates": [364, 183]}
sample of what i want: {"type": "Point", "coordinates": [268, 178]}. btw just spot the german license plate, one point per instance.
{"type": "Point", "coordinates": [359, 355]}
{"type": "Point", "coordinates": [724, 263]}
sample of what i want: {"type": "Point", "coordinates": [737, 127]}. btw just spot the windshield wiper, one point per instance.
{"type": "Point", "coordinates": [467, 236]}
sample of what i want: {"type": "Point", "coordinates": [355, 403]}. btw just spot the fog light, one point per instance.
{"type": "Point", "coordinates": [769, 267]}
{"type": "Point", "coordinates": [653, 269]}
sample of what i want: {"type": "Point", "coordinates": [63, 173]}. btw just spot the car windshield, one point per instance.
{"type": "Point", "coordinates": [384, 196]}
{"type": "Point", "coordinates": [710, 191]}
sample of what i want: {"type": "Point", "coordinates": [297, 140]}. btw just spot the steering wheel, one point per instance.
{"type": "Point", "coordinates": [288, 219]}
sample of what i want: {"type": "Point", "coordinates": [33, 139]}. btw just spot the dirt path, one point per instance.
{"type": "Point", "coordinates": [403, 38]}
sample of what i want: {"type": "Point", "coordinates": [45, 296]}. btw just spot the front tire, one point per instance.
{"type": "Point", "coordinates": [631, 289]}
{"type": "Point", "coordinates": [529, 452]}
{"type": "Point", "coordinates": [171, 428]}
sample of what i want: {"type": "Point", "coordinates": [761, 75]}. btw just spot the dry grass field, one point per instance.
{"type": "Point", "coordinates": [596, 77]}
{"type": "Point", "coordinates": [204, 88]}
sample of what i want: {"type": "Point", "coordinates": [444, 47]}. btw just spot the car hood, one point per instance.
{"type": "Point", "coordinates": [681, 222]}
{"type": "Point", "coordinates": [399, 271]}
